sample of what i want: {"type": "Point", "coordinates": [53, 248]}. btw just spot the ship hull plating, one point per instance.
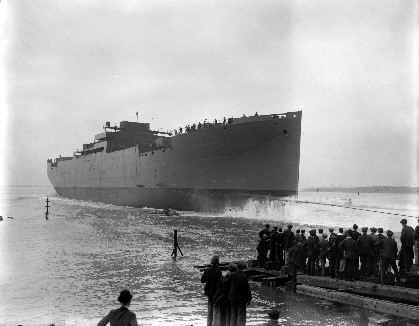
{"type": "Point", "coordinates": [206, 169]}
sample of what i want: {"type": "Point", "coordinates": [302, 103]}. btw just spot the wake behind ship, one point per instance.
{"type": "Point", "coordinates": [205, 167]}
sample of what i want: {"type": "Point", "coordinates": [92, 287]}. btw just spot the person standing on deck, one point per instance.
{"type": "Point", "coordinates": [366, 248]}
{"type": "Point", "coordinates": [273, 245]}
{"type": "Point", "coordinates": [407, 240]}
{"type": "Point", "coordinates": [211, 277]}
{"type": "Point", "coordinates": [375, 253]}
{"type": "Point", "coordinates": [296, 258]}
{"type": "Point", "coordinates": [240, 295]}
{"type": "Point", "coordinates": [222, 306]}
{"type": "Point", "coordinates": [339, 258]}
{"type": "Point", "coordinates": [311, 248]}
{"type": "Point", "coordinates": [333, 253]}
{"type": "Point", "coordinates": [280, 247]}
{"type": "Point", "coordinates": [288, 238]}
{"type": "Point", "coordinates": [350, 249]}
{"type": "Point", "coordinates": [381, 237]}
{"type": "Point", "coordinates": [416, 238]}
{"type": "Point", "coordinates": [319, 237]}
{"type": "Point", "coordinates": [266, 231]}
{"type": "Point", "coordinates": [262, 249]}
{"type": "Point", "coordinates": [323, 253]}
{"type": "Point", "coordinates": [389, 254]}
{"type": "Point", "coordinates": [355, 236]}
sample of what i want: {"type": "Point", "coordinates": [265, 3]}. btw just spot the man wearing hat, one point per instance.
{"type": "Point", "coordinates": [416, 238]}
{"type": "Point", "coordinates": [121, 316]}
{"type": "Point", "coordinates": [265, 231]}
{"type": "Point", "coordinates": [240, 295]}
{"type": "Point", "coordinates": [350, 249]}
{"type": "Point", "coordinates": [288, 238]}
{"type": "Point", "coordinates": [407, 240]}
{"type": "Point", "coordinates": [311, 249]}
{"type": "Point", "coordinates": [323, 254]}
{"type": "Point", "coordinates": [333, 253]}
{"type": "Point", "coordinates": [389, 254]}
{"type": "Point", "coordinates": [211, 277]}
{"type": "Point", "coordinates": [262, 249]}
{"type": "Point", "coordinates": [273, 245]}
{"type": "Point", "coordinates": [376, 251]}
{"type": "Point", "coordinates": [366, 249]}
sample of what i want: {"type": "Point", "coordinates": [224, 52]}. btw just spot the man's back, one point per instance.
{"type": "Point", "coordinates": [211, 277]}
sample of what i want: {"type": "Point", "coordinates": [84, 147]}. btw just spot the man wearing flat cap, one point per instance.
{"type": "Point", "coordinates": [288, 239]}
{"type": "Point", "coordinates": [406, 252]}
{"type": "Point", "coordinates": [266, 231]}
{"type": "Point", "coordinates": [366, 249]}
{"type": "Point", "coordinates": [389, 255]}
{"type": "Point", "coordinates": [211, 277]}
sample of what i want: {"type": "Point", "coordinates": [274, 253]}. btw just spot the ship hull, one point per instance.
{"type": "Point", "coordinates": [209, 169]}
{"type": "Point", "coordinates": [179, 199]}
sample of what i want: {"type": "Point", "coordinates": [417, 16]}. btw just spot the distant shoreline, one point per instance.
{"type": "Point", "coordinates": [371, 189]}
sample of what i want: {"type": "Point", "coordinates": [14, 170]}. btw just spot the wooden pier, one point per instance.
{"type": "Point", "coordinates": [398, 301]}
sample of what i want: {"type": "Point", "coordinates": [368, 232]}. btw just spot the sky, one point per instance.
{"type": "Point", "coordinates": [67, 67]}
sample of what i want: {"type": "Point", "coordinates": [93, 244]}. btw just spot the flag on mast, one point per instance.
{"type": "Point", "coordinates": [137, 116]}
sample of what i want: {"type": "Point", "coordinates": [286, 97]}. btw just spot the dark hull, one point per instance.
{"type": "Point", "coordinates": [204, 170]}
{"type": "Point", "coordinates": [179, 199]}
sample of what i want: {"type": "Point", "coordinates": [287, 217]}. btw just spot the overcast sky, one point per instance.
{"type": "Point", "coordinates": [350, 66]}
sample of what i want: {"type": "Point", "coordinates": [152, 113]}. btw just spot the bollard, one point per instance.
{"type": "Point", "coordinates": [175, 245]}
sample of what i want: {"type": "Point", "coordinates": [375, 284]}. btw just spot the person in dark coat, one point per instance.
{"type": "Point", "coordinates": [333, 253]}
{"type": "Point", "coordinates": [266, 231]}
{"type": "Point", "coordinates": [319, 237]}
{"type": "Point", "coordinates": [356, 234]}
{"type": "Point", "coordinates": [262, 249]}
{"type": "Point", "coordinates": [376, 253]}
{"type": "Point", "coordinates": [407, 240]}
{"type": "Point", "coordinates": [349, 247]}
{"type": "Point", "coordinates": [222, 306]}
{"type": "Point", "coordinates": [379, 247]}
{"type": "Point", "coordinates": [211, 277]}
{"type": "Point", "coordinates": [273, 245]}
{"type": "Point", "coordinates": [389, 254]}
{"type": "Point", "coordinates": [339, 259]}
{"type": "Point", "coordinates": [366, 248]}
{"type": "Point", "coordinates": [122, 316]}
{"type": "Point", "coordinates": [296, 258]}
{"type": "Point", "coordinates": [280, 247]}
{"type": "Point", "coordinates": [323, 252]}
{"type": "Point", "coordinates": [311, 249]}
{"type": "Point", "coordinates": [240, 295]}
{"type": "Point", "coordinates": [288, 238]}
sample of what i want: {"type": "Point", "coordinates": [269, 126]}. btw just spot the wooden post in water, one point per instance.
{"type": "Point", "coordinates": [175, 245]}
{"type": "Point", "coordinates": [46, 214]}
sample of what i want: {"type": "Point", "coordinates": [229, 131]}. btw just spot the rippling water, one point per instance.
{"type": "Point", "coordinates": [68, 270]}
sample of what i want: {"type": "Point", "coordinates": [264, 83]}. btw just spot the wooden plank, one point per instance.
{"type": "Point", "coordinates": [396, 309]}
{"type": "Point", "coordinates": [384, 291]}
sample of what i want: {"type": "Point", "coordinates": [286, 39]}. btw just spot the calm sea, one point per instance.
{"type": "Point", "coordinates": [68, 270]}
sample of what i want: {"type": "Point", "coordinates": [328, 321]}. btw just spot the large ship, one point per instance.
{"type": "Point", "coordinates": [202, 167]}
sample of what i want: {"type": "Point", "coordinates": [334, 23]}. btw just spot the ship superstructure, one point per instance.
{"type": "Point", "coordinates": [203, 168]}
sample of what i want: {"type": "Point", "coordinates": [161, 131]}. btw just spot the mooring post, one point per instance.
{"type": "Point", "coordinates": [176, 245]}
{"type": "Point", "coordinates": [46, 214]}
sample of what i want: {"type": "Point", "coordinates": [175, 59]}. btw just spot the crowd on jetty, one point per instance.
{"type": "Point", "coordinates": [364, 253]}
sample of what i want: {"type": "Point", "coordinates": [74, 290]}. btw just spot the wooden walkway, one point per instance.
{"type": "Point", "coordinates": [398, 301]}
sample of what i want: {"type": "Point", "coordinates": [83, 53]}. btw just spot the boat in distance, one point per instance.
{"type": "Point", "coordinates": [205, 167]}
